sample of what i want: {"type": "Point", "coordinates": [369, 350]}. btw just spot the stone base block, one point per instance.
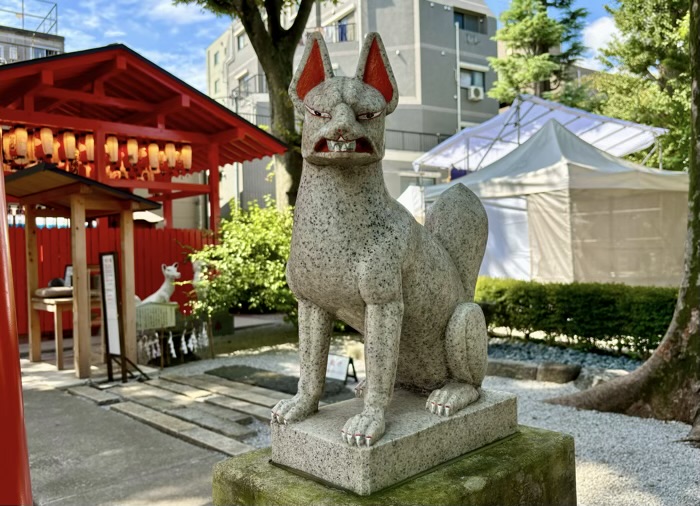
{"type": "Point", "coordinates": [533, 466]}
{"type": "Point", "coordinates": [415, 440]}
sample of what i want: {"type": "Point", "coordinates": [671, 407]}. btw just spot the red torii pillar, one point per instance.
{"type": "Point", "coordinates": [15, 484]}
{"type": "Point", "coordinates": [214, 209]}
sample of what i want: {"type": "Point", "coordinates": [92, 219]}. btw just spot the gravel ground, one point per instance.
{"type": "Point", "coordinates": [620, 460]}
{"type": "Point", "coordinates": [536, 352]}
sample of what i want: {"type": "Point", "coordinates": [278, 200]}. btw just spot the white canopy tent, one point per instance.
{"type": "Point", "coordinates": [476, 147]}
{"type": "Point", "coordinates": [561, 210]}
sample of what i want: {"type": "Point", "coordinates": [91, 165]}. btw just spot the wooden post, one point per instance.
{"type": "Point", "coordinates": [32, 260]}
{"type": "Point", "coordinates": [128, 285]}
{"type": "Point", "coordinates": [100, 157]}
{"type": "Point", "coordinates": [215, 209]}
{"type": "Point", "coordinates": [81, 287]}
{"type": "Point", "coordinates": [168, 211]}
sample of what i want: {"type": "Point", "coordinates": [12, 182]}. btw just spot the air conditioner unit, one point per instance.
{"type": "Point", "coordinates": [475, 93]}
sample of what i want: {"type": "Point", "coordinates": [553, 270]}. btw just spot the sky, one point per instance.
{"type": "Point", "coordinates": [176, 36]}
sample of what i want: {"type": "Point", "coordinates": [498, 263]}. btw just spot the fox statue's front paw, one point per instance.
{"type": "Point", "coordinates": [451, 398]}
{"type": "Point", "coordinates": [365, 428]}
{"type": "Point", "coordinates": [295, 409]}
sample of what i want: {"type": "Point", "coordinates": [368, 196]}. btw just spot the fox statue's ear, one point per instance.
{"type": "Point", "coordinates": [374, 69]}
{"type": "Point", "coordinates": [314, 68]}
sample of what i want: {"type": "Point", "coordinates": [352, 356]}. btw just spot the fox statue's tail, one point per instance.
{"type": "Point", "coordinates": [459, 223]}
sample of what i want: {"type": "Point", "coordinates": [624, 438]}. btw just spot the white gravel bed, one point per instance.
{"type": "Point", "coordinates": [620, 460]}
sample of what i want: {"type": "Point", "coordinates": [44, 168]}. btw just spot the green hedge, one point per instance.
{"type": "Point", "coordinates": [628, 319]}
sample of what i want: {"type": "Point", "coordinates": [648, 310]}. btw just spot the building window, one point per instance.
{"type": "Point", "coordinates": [470, 22]}
{"type": "Point", "coordinates": [13, 53]}
{"type": "Point", "coordinates": [51, 52]}
{"type": "Point", "coordinates": [216, 58]}
{"type": "Point", "coordinates": [241, 41]}
{"type": "Point", "coordinates": [2, 52]}
{"type": "Point", "coordinates": [469, 78]}
{"type": "Point", "coordinates": [216, 86]}
{"type": "Point", "coordinates": [38, 52]}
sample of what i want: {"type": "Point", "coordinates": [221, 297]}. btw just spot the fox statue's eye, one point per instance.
{"type": "Point", "coordinates": [369, 115]}
{"type": "Point", "coordinates": [316, 113]}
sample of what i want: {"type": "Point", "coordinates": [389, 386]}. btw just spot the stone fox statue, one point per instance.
{"type": "Point", "coordinates": [358, 255]}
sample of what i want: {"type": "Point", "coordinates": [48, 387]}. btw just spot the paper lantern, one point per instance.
{"type": "Point", "coordinates": [132, 148]}
{"type": "Point", "coordinates": [170, 154]}
{"type": "Point", "coordinates": [46, 137]}
{"type": "Point", "coordinates": [153, 156]}
{"type": "Point", "coordinates": [90, 147]}
{"type": "Point", "coordinates": [21, 142]}
{"type": "Point", "coordinates": [69, 145]}
{"type": "Point", "coordinates": [31, 148]}
{"type": "Point", "coordinates": [112, 149]}
{"type": "Point", "coordinates": [6, 148]}
{"type": "Point", "coordinates": [186, 154]}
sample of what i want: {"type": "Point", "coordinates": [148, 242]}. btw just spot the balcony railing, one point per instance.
{"type": "Point", "coordinates": [13, 52]}
{"type": "Point", "coordinates": [249, 86]}
{"type": "Point", "coordinates": [337, 32]}
{"type": "Point", "coordinates": [395, 139]}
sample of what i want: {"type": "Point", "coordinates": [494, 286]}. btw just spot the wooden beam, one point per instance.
{"type": "Point", "coordinates": [231, 135]}
{"type": "Point", "coordinates": [32, 261]}
{"type": "Point", "coordinates": [81, 288]}
{"type": "Point", "coordinates": [100, 157]}
{"type": "Point", "coordinates": [91, 98]}
{"type": "Point", "coordinates": [91, 125]}
{"type": "Point", "coordinates": [168, 212]}
{"type": "Point", "coordinates": [99, 203]}
{"type": "Point", "coordinates": [159, 186]}
{"type": "Point", "coordinates": [128, 284]}
{"type": "Point", "coordinates": [45, 197]}
{"type": "Point", "coordinates": [31, 85]}
{"type": "Point", "coordinates": [165, 107]}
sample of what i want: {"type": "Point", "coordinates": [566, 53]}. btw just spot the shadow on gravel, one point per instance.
{"type": "Point", "coordinates": [334, 391]}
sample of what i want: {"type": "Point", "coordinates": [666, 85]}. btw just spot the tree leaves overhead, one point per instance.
{"type": "Point", "coordinates": [529, 34]}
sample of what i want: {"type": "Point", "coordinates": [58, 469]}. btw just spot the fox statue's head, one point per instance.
{"type": "Point", "coordinates": [344, 116]}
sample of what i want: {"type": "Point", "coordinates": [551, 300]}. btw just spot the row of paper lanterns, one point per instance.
{"type": "Point", "coordinates": [129, 159]}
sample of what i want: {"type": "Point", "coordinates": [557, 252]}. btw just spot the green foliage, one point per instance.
{"type": "Point", "coordinates": [245, 270]}
{"type": "Point", "coordinates": [629, 319]}
{"type": "Point", "coordinates": [529, 33]}
{"type": "Point", "coordinates": [651, 79]}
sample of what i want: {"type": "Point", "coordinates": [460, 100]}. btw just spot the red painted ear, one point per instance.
{"type": "Point", "coordinates": [313, 73]}
{"type": "Point", "coordinates": [375, 73]}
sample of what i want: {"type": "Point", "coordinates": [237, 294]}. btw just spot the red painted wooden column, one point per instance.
{"type": "Point", "coordinates": [168, 211]}
{"type": "Point", "coordinates": [215, 210]}
{"type": "Point", "coordinates": [15, 484]}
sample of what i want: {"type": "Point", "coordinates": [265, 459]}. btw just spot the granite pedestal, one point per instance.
{"type": "Point", "coordinates": [533, 466]}
{"type": "Point", "coordinates": [415, 440]}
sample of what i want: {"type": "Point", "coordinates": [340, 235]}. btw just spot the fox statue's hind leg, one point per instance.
{"type": "Point", "coordinates": [466, 344]}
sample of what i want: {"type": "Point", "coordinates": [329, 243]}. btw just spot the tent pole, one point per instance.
{"type": "Point", "coordinates": [458, 72]}
{"type": "Point", "coordinates": [500, 132]}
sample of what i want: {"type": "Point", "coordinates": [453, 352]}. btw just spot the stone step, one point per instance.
{"type": "Point", "coordinates": [225, 413]}
{"type": "Point", "coordinates": [224, 426]}
{"type": "Point", "coordinates": [232, 389]}
{"type": "Point", "coordinates": [259, 412]}
{"type": "Point", "coordinates": [179, 388]}
{"type": "Point", "coordinates": [99, 397]}
{"type": "Point", "coordinates": [182, 429]}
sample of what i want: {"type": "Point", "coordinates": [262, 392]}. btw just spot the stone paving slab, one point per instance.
{"type": "Point", "coordinates": [179, 388]}
{"type": "Point", "coordinates": [209, 439]}
{"type": "Point", "coordinates": [136, 390]}
{"type": "Point", "coordinates": [225, 413]}
{"type": "Point", "coordinates": [274, 394]}
{"type": "Point", "coordinates": [224, 426]}
{"type": "Point", "coordinates": [99, 397]}
{"type": "Point", "coordinates": [259, 412]}
{"type": "Point", "coordinates": [181, 429]}
{"type": "Point", "coordinates": [231, 389]}
{"type": "Point", "coordinates": [156, 419]}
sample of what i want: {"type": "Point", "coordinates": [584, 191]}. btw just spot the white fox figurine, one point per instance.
{"type": "Point", "coordinates": [359, 256]}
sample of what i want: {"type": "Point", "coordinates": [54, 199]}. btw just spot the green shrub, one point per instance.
{"type": "Point", "coordinates": [245, 270]}
{"type": "Point", "coordinates": [629, 319]}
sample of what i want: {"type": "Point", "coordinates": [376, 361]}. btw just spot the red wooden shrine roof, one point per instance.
{"type": "Point", "coordinates": [128, 96]}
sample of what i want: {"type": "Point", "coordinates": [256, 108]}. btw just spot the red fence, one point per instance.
{"type": "Point", "coordinates": [152, 247]}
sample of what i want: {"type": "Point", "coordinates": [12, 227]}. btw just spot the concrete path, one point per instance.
{"type": "Point", "coordinates": [82, 454]}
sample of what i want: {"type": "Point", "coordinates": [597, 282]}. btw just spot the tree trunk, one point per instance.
{"type": "Point", "coordinates": [667, 386]}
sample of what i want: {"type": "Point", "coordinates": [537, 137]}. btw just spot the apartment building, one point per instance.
{"type": "Point", "coordinates": [427, 42]}
{"type": "Point", "coordinates": [25, 35]}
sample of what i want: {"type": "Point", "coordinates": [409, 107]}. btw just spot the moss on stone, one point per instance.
{"type": "Point", "coordinates": [532, 467]}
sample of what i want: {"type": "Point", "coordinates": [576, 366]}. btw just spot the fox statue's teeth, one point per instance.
{"type": "Point", "coordinates": [341, 146]}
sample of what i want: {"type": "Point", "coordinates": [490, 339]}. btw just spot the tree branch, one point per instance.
{"type": "Point", "coordinates": [296, 31]}
{"type": "Point", "coordinates": [274, 10]}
